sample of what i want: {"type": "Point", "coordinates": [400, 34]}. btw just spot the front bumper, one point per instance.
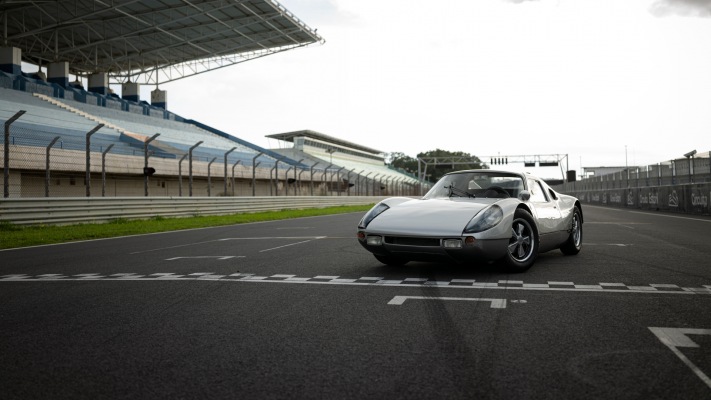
{"type": "Point", "coordinates": [430, 249]}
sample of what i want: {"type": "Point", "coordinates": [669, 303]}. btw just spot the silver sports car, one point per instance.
{"type": "Point", "coordinates": [475, 215]}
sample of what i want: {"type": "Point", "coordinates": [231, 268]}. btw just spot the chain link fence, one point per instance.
{"type": "Point", "coordinates": [690, 170]}
{"type": "Point", "coordinates": [44, 161]}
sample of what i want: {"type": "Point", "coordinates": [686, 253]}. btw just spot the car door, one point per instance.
{"type": "Point", "coordinates": [545, 207]}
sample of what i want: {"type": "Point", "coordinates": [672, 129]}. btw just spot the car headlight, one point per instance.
{"type": "Point", "coordinates": [486, 219]}
{"type": "Point", "coordinates": [374, 212]}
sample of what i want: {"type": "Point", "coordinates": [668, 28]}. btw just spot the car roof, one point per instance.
{"type": "Point", "coordinates": [523, 175]}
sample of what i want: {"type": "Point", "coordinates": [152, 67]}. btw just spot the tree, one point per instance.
{"type": "Point", "coordinates": [448, 161]}
{"type": "Point", "coordinates": [403, 162]}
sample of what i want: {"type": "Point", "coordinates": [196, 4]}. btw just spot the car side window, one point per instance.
{"type": "Point", "coordinates": [537, 193]}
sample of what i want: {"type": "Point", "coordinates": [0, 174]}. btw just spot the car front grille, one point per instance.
{"type": "Point", "coordinates": [411, 241]}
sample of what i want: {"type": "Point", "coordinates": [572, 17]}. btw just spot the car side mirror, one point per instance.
{"type": "Point", "coordinates": [524, 195]}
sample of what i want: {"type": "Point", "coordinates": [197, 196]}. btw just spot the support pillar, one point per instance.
{"type": "Point", "coordinates": [130, 91]}
{"type": "Point", "coordinates": [159, 98]}
{"type": "Point", "coordinates": [11, 60]}
{"type": "Point", "coordinates": [99, 83]}
{"type": "Point", "coordinates": [58, 72]}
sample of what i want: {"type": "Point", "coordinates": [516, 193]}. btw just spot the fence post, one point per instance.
{"type": "Point", "coordinates": [103, 169]}
{"type": "Point", "coordinates": [190, 167]}
{"type": "Point", "coordinates": [323, 178]}
{"type": "Point", "coordinates": [295, 179]}
{"type": "Point", "coordinates": [209, 182]}
{"type": "Point", "coordinates": [298, 180]}
{"type": "Point", "coordinates": [374, 182]}
{"type": "Point", "coordinates": [180, 175]}
{"type": "Point", "coordinates": [225, 165]}
{"type": "Point", "coordinates": [348, 178]}
{"type": "Point", "coordinates": [88, 158]}
{"type": "Point", "coordinates": [233, 177]}
{"type": "Point", "coordinates": [254, 172]}
{"type": "Point", "coordinates": [366, 182]}
{"type": "Point", "coordinates": [46, 168]}
{"type": "Point", "coordinates": [286, 180]}
{"type": "Point", "coordinates": [6, 152]}
{"type": "Point", "coordinates": [338, 180]}
{"type": "Point", "coordinates": [254, 176]}
{"type": "Point", "coordinates": [276, 177]}
{"type": "Point", "coordinates": [145, 162]}
{"type": "Point", "coordinates": [312, 178]}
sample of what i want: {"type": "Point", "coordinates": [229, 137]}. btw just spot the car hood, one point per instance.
{"type": "Point", "coordinates": [431, 217]}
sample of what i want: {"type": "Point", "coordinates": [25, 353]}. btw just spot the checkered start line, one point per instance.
{"type": "Point", "coordinates": [364, 281]}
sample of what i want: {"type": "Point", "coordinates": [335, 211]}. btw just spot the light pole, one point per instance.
{"type": "Point", "coordinates": [690, 156]}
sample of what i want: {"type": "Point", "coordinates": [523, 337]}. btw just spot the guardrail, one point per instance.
{"type": "Point", "coordinates": [64, 210]}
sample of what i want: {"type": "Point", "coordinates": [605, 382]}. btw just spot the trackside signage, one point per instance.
{"type": "Point", "coordinates": [690, 198]}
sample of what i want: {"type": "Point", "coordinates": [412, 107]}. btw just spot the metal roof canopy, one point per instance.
{"type": "Point", "coordinates": [150, 41]}
{"type": "Point", "coordinates": [289, 137]}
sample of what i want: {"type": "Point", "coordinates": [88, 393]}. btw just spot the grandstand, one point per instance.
{"type": "Point", "coordinates": [351, 161]}
{"type": "Point", "coordinates": [60, 137]}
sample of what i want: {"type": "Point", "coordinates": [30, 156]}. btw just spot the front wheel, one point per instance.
{"type": "Point", "coordinates": [523, 244]}
{"type": "Point", "coordinates": [390, 260]}
{"type": "Point", "coordinates": [574, 243]}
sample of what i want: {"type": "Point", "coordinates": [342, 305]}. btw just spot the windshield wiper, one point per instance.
{"type": "Point", "coordinates": [455, 191]}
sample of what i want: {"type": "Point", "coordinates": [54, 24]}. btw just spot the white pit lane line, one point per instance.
{"type": "Point", "coordinates": [226, 239]}
{"type": "Point", "coordinates": [202, 257]}
{"type": "Point", "coordinates": [508, 285]}
{"type": "Point", "coordinates": [495, 303]}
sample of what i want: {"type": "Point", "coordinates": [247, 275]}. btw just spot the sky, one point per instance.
{"type": "Point", "coordinates": [602, 82]}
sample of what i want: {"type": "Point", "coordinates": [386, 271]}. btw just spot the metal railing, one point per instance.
{"type": "Point", "coordinates": [96, 209]}
{"type": "Point", "coordinates": [41, 161]}
{"type": "Point", "coordinates": [673, 172]}
{"type": "Point", "coordinates": [682, 185]}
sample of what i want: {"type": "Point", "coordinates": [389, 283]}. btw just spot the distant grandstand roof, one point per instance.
{"type": "Point", "coordinates": [289, 137]}
{"type": "Point", "coordinates": [150, 41]}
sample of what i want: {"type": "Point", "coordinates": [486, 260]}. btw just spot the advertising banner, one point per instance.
{"type": "Point", "coordinates": [689, 198]}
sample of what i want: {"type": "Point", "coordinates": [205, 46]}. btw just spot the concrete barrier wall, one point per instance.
{"type": "Point", "coordinates": [687, 198]}
{"type": "Point", "coordinates": [56, 211]}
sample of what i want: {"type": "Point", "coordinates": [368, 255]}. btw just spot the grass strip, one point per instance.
{"type": "Point", "coordinates": [13, 236]}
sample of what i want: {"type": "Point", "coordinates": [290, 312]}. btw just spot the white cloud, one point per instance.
{"type": "Point", "coordinates": [545, 77]}
{"type": "Point", "coordinates": [684, 8]}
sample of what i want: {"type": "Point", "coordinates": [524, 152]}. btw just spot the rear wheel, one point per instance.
{"type": "Point", "coordinates": [574, 243]}
{"type": "Point", "coordinates": [523, 244]}
{"type": "Point", "coordinates": [390, 260]}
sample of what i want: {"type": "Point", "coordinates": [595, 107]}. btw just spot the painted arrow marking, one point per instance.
{"type": "Point", "coordinates": [495, 303]}
{"type": "Point", "coordinates": [674, 338]}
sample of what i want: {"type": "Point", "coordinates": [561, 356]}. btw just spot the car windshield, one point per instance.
{"type": "Point", "coordinates": [477, 184]}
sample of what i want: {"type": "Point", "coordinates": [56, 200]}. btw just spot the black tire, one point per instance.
{"type": "Point", "coordinates": [389, 260]}
{"type": "Point", "coordinates": [523, 245]}
{"type": "Point", "coordinates": [574, 243]}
